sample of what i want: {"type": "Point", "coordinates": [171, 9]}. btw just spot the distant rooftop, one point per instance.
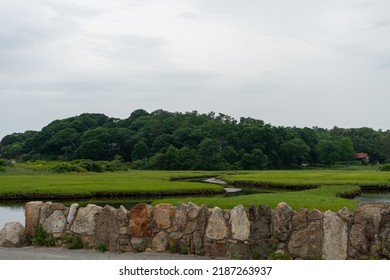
{"type": "Point", "coordinates": [361, 155]}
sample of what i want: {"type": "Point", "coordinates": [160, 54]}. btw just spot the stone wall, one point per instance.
{"type": "Point", "coordinates": [245, 233]}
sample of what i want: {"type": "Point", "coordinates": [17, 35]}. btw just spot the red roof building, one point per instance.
{"type": "Point", "coordinates": [362, 156]}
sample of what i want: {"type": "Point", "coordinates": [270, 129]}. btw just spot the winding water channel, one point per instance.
{"type": "Point", "coordinates": [14, 211]}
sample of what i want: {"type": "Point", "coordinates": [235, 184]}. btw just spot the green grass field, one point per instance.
{"type": "Point", "coordinates": [311, 189]}
{"type": "Point", "coordinates": [326, 186]}
{"type": "Point", "coordinates": [363, 178]}
{"type": "Point", "coordinates": [322, 198]}
{"type": "Point", "coordinates": [109, 184]}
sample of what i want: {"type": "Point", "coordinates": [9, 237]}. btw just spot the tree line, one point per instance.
{"type": "Point", "coordinates": [193, 141]}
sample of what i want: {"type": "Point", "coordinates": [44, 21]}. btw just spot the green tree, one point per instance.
{"type": "Point", "coordinates": [230, 155]}
{"type": "Point", "coordinates": [254, 161]}
{"type": "Point", "coordinates": [140, 151]}
{"type": "Point", "coordinates": [294, 152]}
{"type": "Point", "coordinates": [209, 155]}
{"type": "Point", "coordinates": [186, 159]}
{"type": "Point", "coordinates": [171, 161]}
{"type": "Point", "coordinates": [67, 137]}
{"type": "Point", "coordinates": [13, 150]}
{"type": "Point", "coordinates": [188, 137]}
{"type": "Point", "coordinates": [199, 141]}
{"type": "Point", "coordinates": [384, 143]}
{"type": "Point", "coordinates": [101, 134]}
{"type": "Point", "coordinates": [311, 138]}
{"type": "Point", "coordinates": [347, 152]}
{"type": "Point", "coordinates": [161, 143]}
{"type": "Point", "coordinates": [93, 149]}
{"type": "Point", "coordinates": [260, 160]}
{"type": "Point", "coordinates": [328, 151]}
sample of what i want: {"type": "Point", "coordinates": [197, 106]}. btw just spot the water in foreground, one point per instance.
{"type": "Point", "coordinates": [15, 212]}
{"type": "Point", "coordinates": [11, 214]}
{"type": "Point", "coordinates": [368, 197]}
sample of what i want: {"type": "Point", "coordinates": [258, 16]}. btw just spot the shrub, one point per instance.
{"type": "Point", "coordinates": [4, 162]}
{"type": "Point", "coordinates": [277, 255]}
{"type": "Point", "coordinates": [64, 167]}
{"type": "Point", "coordinates": [42, 238]}
{"type": "Point", "coordinates": [92, 166]}
{"type": "Point", "coordinates": [385, 167]}
{"type": "Point", "coordinates": [137, 164]}
{"type": "Point", "coordinates": [74, 242]}
{"type": "Point", "coordinates": [116, 165]}
{"type": "Point", "coordinates": [101, 247]}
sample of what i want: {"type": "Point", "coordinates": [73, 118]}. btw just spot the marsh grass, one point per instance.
{"type": "Point", "coordinates": [296, 178]}
{"type": "Point", "coordinates": [324, 187]}
{"type": "Point", "coordinates": [113, 184]}
{"type": "Point", "coordinates": [322, 198]}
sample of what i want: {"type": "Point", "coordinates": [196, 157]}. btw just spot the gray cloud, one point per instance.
{"type": "Point", "coordinates": [305, 64]}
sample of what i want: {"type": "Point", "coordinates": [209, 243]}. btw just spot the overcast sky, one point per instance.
{"type": "Point", "coordinates": [302, 62]}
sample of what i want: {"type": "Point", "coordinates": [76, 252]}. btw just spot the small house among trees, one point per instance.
{"type": "Point", "coordinates": [363, 157]}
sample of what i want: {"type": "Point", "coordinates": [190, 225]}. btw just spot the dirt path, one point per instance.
{"type": "Point", "coordinates": [49, 253]}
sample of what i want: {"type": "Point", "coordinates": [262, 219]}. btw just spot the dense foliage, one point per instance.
{"type": "Point", "coordinates": [188, 141]}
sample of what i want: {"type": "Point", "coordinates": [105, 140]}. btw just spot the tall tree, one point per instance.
{"type": "Point", "coordinates": [346, 150]}
{"type": "Point", "coordinates": [140, 151]}
{"type": "Point", "coordinates": [294, 152]}
{"type": "Point", "coordinates": [255, 160]}
{"type": "Point", "coordinates": [328, 151]}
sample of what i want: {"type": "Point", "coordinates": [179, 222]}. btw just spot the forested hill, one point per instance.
{"type": "Point", "coordinates": [166, 140]}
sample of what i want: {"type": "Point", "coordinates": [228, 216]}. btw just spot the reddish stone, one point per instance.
{"type": "Point", "coordinates": [140, 220]}
{"type": "Point", "coordinates": [32, 213]}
